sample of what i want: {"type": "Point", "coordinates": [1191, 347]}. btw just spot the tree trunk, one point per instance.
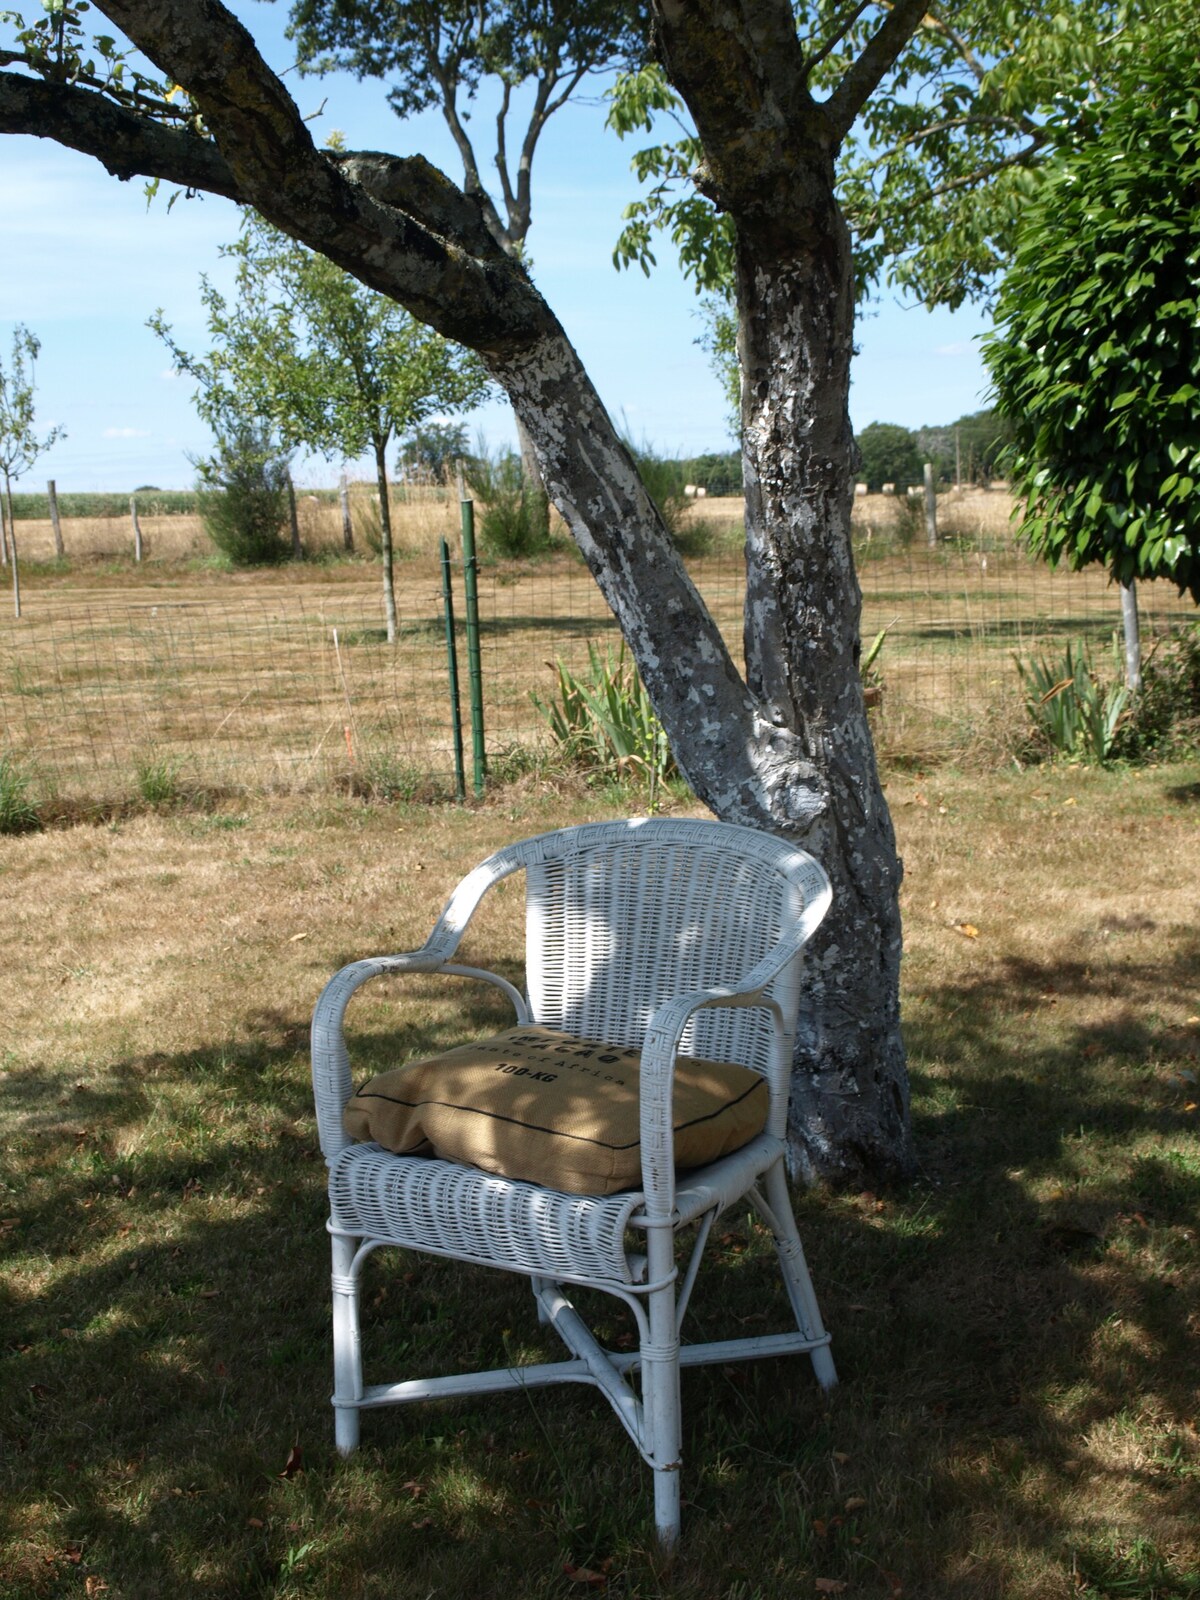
{"type": "Point", "coordinates": [803, 645]}
{"type": "Point", "coordinates": [788, 749]}
{"type": "Point", "coordinates": [385, 540]}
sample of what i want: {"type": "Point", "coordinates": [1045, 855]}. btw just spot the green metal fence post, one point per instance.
{"type": "Point", "coordinates": [460, 782]}
{"type": "Point", "coordinates": [474, 664]}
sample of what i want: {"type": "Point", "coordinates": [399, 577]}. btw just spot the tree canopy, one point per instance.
{"type": "Point", "coordinates": [935, 175]}
{"type": "Point", "coordinates": [439, 52]}
{"type": "Point", "coordinates": [1096, 357]}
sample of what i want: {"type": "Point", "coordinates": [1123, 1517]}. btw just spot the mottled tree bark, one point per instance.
{"type": "Point", "coordinates": [783, 745]}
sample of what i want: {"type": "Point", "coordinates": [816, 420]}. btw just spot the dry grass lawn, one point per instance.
{"type": "Point", "coordinates": [1015, 1329]}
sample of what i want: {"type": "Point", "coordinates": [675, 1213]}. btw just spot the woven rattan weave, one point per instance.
{"type": "Point", "coordinates": [669, 936]}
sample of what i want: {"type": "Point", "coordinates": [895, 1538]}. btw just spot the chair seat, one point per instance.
{"type": "Point", "coordinates": [423, 1203]}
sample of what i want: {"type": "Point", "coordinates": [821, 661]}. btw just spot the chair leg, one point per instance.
{"type": "Point", "coordinates": [796, 1275]}
{"type": "Point", "coordinates": [347, 1346]}
{"type": "Point", "coordinates": [661, 1402]}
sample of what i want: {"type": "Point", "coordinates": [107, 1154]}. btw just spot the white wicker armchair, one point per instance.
{"type": "Point", "coordinates": [668, 936]}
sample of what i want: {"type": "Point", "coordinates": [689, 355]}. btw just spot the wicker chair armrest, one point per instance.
{"type": "Point", "coordinates": [332, 1082]}
{"type": "Point", "coordinates": [660, 1048]}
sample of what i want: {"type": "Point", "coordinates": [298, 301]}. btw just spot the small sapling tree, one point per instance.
{"type": "Point", "coordinates": [331, 365]}
{"type": "Point", "coordinates": [243, 495]}
{"type": "Point", "coordinates": [19, 444]}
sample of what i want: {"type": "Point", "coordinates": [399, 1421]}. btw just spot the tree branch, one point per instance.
{"type": "Point", "coordinates": [397, 248]}
{"type": "Point", "coordinates": [129, 145]}
{"type": "Point", "coordinates": [835, 38]}
{"type": "Point", "coordinates": [864, 76]}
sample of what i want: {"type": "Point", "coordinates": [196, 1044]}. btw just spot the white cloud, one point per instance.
{"type": "Point", "coordinates": [125, 433]}
{"type": "Point", "coordinates": [960, 348]}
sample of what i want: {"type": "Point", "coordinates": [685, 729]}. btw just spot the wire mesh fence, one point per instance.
{"type": "Point", "coordinates": [290, 683]}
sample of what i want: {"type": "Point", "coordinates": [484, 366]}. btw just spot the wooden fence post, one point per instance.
{"type": "Point", "coordinates": [930, 506]}
{"type": "Point", "coordinates": [12, 535]}
{"type": "Point", "coordinates": [297, 552]}
{"type": "Point", "coordinates": [347, 525]}
{"type": "Point", "coordinates": [52, 497]}
{"type": "Point", "coordinates": [1133, 636]}
{"type": "Point", "coordinates": [137, 528]}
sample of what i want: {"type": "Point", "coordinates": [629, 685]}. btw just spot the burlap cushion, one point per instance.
{"type": "Point", "coordinates": [537, 1104]}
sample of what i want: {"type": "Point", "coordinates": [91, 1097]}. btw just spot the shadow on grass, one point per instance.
{"type": "Point", "coordinates": [166, 1323]}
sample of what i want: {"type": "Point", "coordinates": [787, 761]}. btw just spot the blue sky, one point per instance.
{"type": "Point", "coordinates": [84, 262]}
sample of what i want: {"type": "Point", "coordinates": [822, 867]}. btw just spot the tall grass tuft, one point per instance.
{"type": "Point", "coordinates": [158, 780]}
{"type": "Point", "coordinates": [18, 814]}
{"type": "Point", "coordinates": [606, 724]}
{"type": "Point", "coordinates": [1072, 709]}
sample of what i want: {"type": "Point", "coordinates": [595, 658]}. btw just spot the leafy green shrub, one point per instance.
{"type": "Point", "coordinates": [1072, 710]}
{"type": "Point", "coordinates": [514, 520]}
{"type": "Point", "coordinates": [243, 498]}
{"type": "Point", "coordinates": [889, 455]}
{"type": "Point", "coordinates": [1094, 354]}
{"type": "Point", "coordinates": [18, 814]}
{"type": "Point", "coordinates": [388, 778]}
{"type": "Point", "coordinates": [1164, 718]}
{"type": "Point", "coordinates": [606, 724]}
{"type": "Point", "coordinates": [158, 780]}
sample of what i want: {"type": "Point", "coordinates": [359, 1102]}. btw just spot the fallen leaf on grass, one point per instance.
{"type": "Point", "coordinates": [831, 1586]}
{"type": "Point", "coordinates": [294, 1463]}
{"type": "Point", "coordinates": [94, 1585]}
{"type": "Point", "coordinates": [594, 1580]}
{"type": "Point", "coordinates": [967, 929]}
{"type": "Point", "coordinates": [415, 1489]}
{"type": "Point", "coordinates": [856, 1502]}
{"type": "Point", "coordinates": [255, 1522]}
{"type": "Point", "coordinates": [297, 936]}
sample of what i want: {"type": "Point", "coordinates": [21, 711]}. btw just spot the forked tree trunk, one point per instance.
{"type": "Point", "coordinates": [787, 748]}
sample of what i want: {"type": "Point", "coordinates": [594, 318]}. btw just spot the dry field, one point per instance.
{"type": "Point", "coordinates": [1015, 1328]}
{"type": "Point", "coordinates": [282, 680]}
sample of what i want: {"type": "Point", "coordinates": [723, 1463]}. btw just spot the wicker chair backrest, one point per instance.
{"type": "Point", "coordinates": [620, 920]}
